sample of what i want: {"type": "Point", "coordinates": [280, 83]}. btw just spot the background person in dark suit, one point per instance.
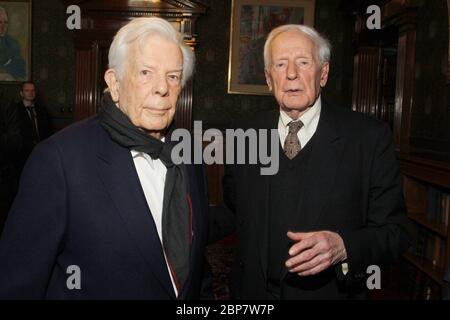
{"type": "Point", "coordinates": [22, 126]}
{"type": "Point", "coordinates": [335, 206]}
{"type": "Point", "coordinates": [103, 196]}
{"type": "Point", "coordinates": [33, 121]}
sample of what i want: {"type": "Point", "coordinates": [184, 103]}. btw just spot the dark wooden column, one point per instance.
{"type": "Point", "coordinates": [366, 72]}
{"type": "Point", "coordinates": [380, 53]}
{"type": "Point", "coordinates": [406, 23]}
{"type": "Point", "coordinates": [87, 79]}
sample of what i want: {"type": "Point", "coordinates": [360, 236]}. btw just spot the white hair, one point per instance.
{"type": "Point", "coordinates": [323, 46]}
{"type": "Point", "coordinates": [137, 31]}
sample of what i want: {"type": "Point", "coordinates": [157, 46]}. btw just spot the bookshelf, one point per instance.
{"type": "Point", "coordinates": [395, 53]}
{"type": "Point", "coordinates": [427, 198]}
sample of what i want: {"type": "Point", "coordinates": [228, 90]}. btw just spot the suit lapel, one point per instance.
{"type": "Point", "coordinates": [119, 176]}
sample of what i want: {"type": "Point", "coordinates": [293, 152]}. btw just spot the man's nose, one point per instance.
{"type": "Point", "coordinates": [291, 71]}
{"type": "Point", "coordinates": [160, 86]}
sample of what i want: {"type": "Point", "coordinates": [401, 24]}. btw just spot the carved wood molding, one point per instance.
{"type": "Point", "coordinates": [160, 6]}
{"type": "Point", "coordinates": [403, 17]}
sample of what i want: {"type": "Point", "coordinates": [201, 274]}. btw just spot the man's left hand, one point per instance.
{"type": "Point", "coordinates": [314, 252]}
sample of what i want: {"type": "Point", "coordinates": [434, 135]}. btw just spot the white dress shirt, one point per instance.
{"type": "Point", "coordinates": [152, 175]}
{"type": "Point", "coordinates": [310, 121]}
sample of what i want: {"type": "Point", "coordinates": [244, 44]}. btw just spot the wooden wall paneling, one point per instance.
{"type": "Point", "coordinates": [183, 115]}
{"type": "Point", "coordinates": [365, 84]}
{"type": "Point", "coordinates": [371, 68]}
{"type": "Point", "coordinates": [404, 97]}
{"type": "Point", "coordinates": [398, 115]}
{"type": "Point", "coordinates": [85, 82]}
{"type": "Point", "coordinates": [387, 83]}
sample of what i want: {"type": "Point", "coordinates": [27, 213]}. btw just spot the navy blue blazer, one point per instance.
{"type": "Point", "coordinates": [80, 203]}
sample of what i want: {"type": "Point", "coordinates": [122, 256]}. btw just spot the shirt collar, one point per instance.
{"type": "Point", "coordinates": [136, 154]}
{"type": "Point", "coordinates": [27, 103]}
{"type": "Point", "coordinates": [307, 118]}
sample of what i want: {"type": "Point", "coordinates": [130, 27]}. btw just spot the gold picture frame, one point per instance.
{"type": "Point", "coordinates": [251, 21]}
{"type": "Point", "coordinates": [15, 41]}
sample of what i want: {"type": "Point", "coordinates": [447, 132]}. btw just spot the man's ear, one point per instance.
{"type": "Point", "coordinates": [268, 79]}
{"type": "Point", "coordinates": [113, 84]}
{"type": "Point", "coordinates": [324, 74]}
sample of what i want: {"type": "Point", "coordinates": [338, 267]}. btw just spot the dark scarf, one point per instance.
{"type": "Point", "coordinates": [175, 213]}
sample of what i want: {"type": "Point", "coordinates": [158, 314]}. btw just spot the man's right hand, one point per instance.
{"type": "Point", "coordinates": [314, 252]}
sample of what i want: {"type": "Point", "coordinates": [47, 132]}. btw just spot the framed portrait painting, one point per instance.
{"type": "Point", "coordinates": [251, 22]}
{"type": "Point", "coordinates": [15, 41]}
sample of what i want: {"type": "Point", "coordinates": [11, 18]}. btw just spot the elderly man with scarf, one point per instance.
{"type": "Point", "coordinates": [102, 212]}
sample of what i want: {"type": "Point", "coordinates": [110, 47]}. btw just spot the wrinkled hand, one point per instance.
{"type": "Point", "coordinates": [314, 252]}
